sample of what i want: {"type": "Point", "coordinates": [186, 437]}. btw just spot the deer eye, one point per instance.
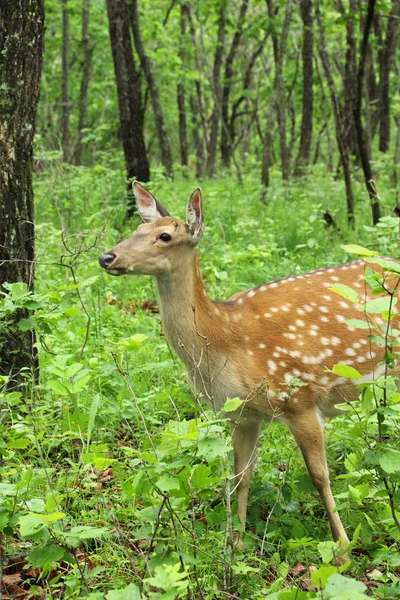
{"type": "Point", "coordinates": [165, 237]}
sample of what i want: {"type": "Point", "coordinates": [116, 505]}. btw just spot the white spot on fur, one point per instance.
{"type": "Point", "coordinates": [272, 366]}
{"type": "Point", "coordinates": [335, 341]}
{"type": "Point", "coordinates": [324, 309]}
{"type": "Point", "coordinates": [324, 319]}
{"type": "Point", "coordinates": [340, 318]}
{"type": "Point", "coordinates": [274, 309]}
{"type": "Point", "coordinates": [262, 346]}
{"type": "Point", "coordinates": [327, 298]}
{"type": "Point", "coordinates": [350, 352]}
{"type": "Point", "coordinates": [251, 293]}
{"type": "Point", "coordinates": [267, 315]}
{"type": "Point", "coordinates": [299, 323]}
{"type": "Point", "coordinates": [343, 304]}
{"type": "Point", "coordinates": [240, 300]}
{"type": "Point", "coordinates": [300, 311]}
{"type": "Point", "coordinates": [250, 352]}
{"type": "Point", "coordinates": [290, 336]}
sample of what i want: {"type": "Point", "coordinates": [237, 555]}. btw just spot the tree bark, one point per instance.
{"type": "Point", "coordinates": [385, 61]}
{"type": "Point", "coordinates": [340, 138]}
{"type": "Point", "coordinates": [65, 108]}
{"type": "Point", "coordinates": [86, 69]}
{"type": "Point", "coordinates": [180, 92]}
{"type": "Point", "coordinates": [21, 40]}
{"type": "Point", "coordinates": [303, 157]}
{"type": "Point", "coordinates": [361, 138]}
{"type": "Point", "coordinates": [226, 141]}
{"type": "Point", "coordinates": [161, 131]}
{"type": "Point", "coordinates": [349, 81]}
{"type": "Point", "coordinates": [129, 94]}
{"type": "Point", "coordinates": [277, 99]}
{"type": "Point", "coordinates": [217, 93]}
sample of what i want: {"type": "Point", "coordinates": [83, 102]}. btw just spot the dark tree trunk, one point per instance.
{"type": "Point", "coordinates": [245, 86]}
{"type": "Point", "coordinates": [349, 83]}
{"type": "Point", "coordinates": [180, 92]}
{"type": "Point", "coordinates": [161, 131]}
{"type": "Point", "coordinates": [216, 86]}
{"type": "Point", "coordinates": [199, 117]}
{"type": "Point", "coordinates": [65, 108]}
{"type": "Point", "coordinates": [340, 138]}
{"type": "Point", "coordinates": [361, 138]}
{"type": "Point", "coordinates": [197, 139]}
{"type": "Point", "coordinates": [226, 141]}
{"type": "Point", "coordinates": [303, 157]}
{"type": "Point", "coordinates": [129, 94]}
{"type": "Point", "coordinates": [21, 40]}
{"type": "Point", "coordinates": [86, 69]}
{"type": "Point", "coordinates": [277, 100]}
{"type": "Point", "coordinates": [385, 61]}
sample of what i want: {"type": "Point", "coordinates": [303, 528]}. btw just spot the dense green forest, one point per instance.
{"type": "Point", "coordinates": [116, 482]}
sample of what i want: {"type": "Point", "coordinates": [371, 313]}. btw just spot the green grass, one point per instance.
{"type": "Point", "coordinates": [116, 452]}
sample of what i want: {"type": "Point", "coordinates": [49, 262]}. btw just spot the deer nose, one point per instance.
{"type": "Point", "coordinates": [105, 260]}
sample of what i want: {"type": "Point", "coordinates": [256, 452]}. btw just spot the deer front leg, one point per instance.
{"type": "Point", "coordinates": [245, 436]}
{"type": "Point", "coordinates": [309, 434]}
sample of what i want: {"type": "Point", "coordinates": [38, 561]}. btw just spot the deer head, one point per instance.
{"type": "Point", "coordinates": [161, 244]}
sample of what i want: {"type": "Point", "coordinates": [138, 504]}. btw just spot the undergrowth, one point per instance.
{"type": "Point", "coordinates": [114, 482]}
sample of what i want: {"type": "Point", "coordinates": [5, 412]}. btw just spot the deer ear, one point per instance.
{"type": "Point", "coordinates": [149, 208]}
{"type": "Point", "coordinates": [194, 216]}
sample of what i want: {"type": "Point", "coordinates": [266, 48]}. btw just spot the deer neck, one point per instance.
{"type": "Point", "coordinates": [186, 311]}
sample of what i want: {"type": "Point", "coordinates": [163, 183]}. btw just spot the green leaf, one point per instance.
{"type": "Point", "coordinates": [40, 556]}
{"type": "Point", "coordinates": [55, 516]}
{"type": "Point", "coordinates": [132, 343]}
{"type": "Point", "coordinates": [232, 404]}
{"type": "Point", "coordinates": [92, 416]}
{"type": "Point", "coordinates": [390, 460]}
{"type": "Point", "coordinates": [378, 305]}
{"type": "Point", "coordinates": [346, 371]}
{"type": "Point", "coordinates": [339, 587]}
{"type": "Point", "coordinates": [131, 592]}
{"type": "Point", "coordinates": [57, 386]}
{"type": "Point", "coordinates": [359, 250]}
{"type": "Point", "coordinates": [321, 576]}
{"type": "Point", "coordinates": [345, 291]}
{"type": "Point", "coordinates": [88, 282]}
{"type": "Point", "coordinates": [358, 323]}
{"type": "Point", "coordinates": [85, 532]}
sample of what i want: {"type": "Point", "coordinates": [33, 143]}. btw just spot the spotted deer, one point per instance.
{"type": "Point", "coordinates": [268, 345]}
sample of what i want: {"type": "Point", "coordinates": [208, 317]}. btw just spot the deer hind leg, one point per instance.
{"type": "Point", "coordinates": [309, 434]}
{"type": "Point", "coordinates": [244, 436]}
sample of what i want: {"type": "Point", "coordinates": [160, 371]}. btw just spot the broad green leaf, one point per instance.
{"type": "Point", "coordinates": [22, 442]}
{"type": "Point", "coordinates": [358, 323]}
{"type": "Point", "coordinates": [131, 592]}
{"type": "Point", "coordinates": [167, 483]}
{"type": "Point", "coordinates": [321, 576]}
{"type": "Point", "coordinates": [232, 404]}
{"type": "Point", "coordinates": [378, 305]}
{"type": "Point", "coordinates": [343, 588]}
{"type": "Point", "coordinates": [40, 556]}
{"type": "Point", "coordinates": [359, 250]}
{"type": "Point", "coordinates": [55, 516]}
{"type": "Point", "coordinates": [132, 343]}
{"type": "Point", "coordinates": [88, 282]}
{"type": "Point", "coordinates": [73, 369]}
{"type": "Point", "coordinates": [31, 527]}
{"type": "Point", "coordinates": [58, 387]}
{"type": "Point", "coordinates": [390, 460]}
{"type": "Point", "coordinates": [345, 291]}
{"type": "Point", "coordinates": [346, 371]}
{"type": "Point", "coordinates": [85, 532]}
